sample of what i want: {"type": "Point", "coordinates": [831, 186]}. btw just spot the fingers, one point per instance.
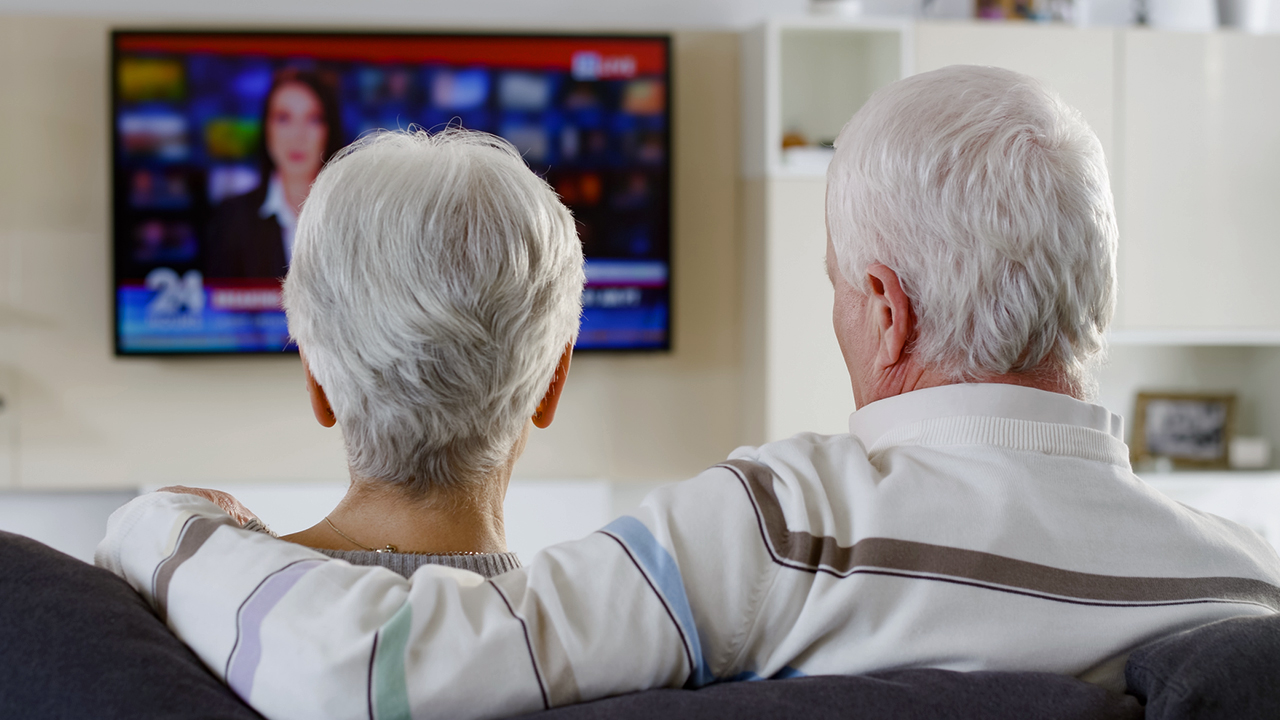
{"type": "Point", "coordinates": [225, 501]}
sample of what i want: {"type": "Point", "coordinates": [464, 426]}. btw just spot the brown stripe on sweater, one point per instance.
{"type": "Point", "coordinates": [801, 550]}
{"type": "Point", "coordinates": [193, 536]}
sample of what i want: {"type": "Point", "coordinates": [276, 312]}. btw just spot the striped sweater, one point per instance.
{"type": "Point", "coordinates": [969, 527]}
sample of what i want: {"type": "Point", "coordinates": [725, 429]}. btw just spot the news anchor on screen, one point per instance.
{"type": "Point", "coordinates": [251, 235]}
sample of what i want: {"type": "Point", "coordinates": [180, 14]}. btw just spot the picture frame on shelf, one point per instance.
{"type": "Point", "coordinates": [1192, 430]}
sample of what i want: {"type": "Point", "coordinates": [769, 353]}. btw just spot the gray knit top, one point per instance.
{"type": "Point", "coordinates": [488, 565]}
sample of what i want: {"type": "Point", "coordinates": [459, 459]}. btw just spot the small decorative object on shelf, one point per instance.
{"type": "Point", "coordinates": [839, 8]}
{"type": "Point", "coordinates": [1105, 13]}
{"type": "Point", "coordinates": [1191, 430]}
{"type": "Point", "coordinates": [1250, 453]}
{"type": "Point", "coordinates": [794, 138]}
{"type": "Point", "coordinates": [1182, 15]}
{"type": "Point", "coordinates": [1037, 10]}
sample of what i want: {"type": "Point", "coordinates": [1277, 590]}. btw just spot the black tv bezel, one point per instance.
{"type": "Point", "coordinates": [112, 140]}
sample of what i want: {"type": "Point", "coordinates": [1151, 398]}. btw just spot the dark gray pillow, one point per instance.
{"type": "Point", "coordinates": [895, 695]}
{"type": "Point", "coordinates": [1227, 669]}
{"type": "Point", "coordinates": [76, 642]}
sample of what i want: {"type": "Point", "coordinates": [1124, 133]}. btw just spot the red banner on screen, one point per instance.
{"type": "Point", "coordinates": [605, 58]}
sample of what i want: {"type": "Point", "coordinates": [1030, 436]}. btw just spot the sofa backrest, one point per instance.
{"type": "Point", "coordinates": [76, 642]}
{"type": "Point", "coordinates": [895, 695]}
{"type": "Point", "coordinates": [1228, 670]}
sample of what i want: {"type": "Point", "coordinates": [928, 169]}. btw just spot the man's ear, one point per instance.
{"type": "Point", "coordinates": [890, 314]}
{"type": "Point", "coordinates": [546, 411]}
{"type": "Point", "coordinates": [319, 401]}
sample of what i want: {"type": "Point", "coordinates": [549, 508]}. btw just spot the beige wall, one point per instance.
{"type": "Point", "coordinates": [79, 418]}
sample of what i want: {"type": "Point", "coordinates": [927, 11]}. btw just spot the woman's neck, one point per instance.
{"type": "Point", "coordinates": [375, 514]}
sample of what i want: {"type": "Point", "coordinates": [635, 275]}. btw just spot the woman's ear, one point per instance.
{"type": "Point", "coordinates": [547, 408]}
{"type": "Point", "coordinates": [319, 401]}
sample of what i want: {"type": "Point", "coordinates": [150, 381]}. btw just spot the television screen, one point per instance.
{"type": "Point", "coordinates": [218, 136]}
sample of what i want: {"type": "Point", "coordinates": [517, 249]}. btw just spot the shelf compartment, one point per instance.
{"type": "Point", "coordinates": [808, 76]}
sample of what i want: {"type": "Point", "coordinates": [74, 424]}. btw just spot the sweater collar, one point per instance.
{"type": "Point", "coordinates": [1013, 402]}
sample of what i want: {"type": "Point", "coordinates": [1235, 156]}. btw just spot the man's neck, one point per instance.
{"type": "Point", "coordinates": [375, 514]}
{"type": "Point", "coordinates": [909, 376]}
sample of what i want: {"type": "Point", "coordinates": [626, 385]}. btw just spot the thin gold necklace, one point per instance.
{"type": "Point", "coordinates": [387, 549]}
{"type": "Point", "coordinates": [390, 548]}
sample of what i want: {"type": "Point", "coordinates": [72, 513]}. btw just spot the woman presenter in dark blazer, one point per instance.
{"type": "Point", "coordinates": [251, 235]}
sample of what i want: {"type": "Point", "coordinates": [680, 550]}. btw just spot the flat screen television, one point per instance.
{"type": "Point", "coordinates": [216, 135]}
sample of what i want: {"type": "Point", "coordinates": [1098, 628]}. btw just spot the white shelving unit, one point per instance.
{"type": "Point", "coordinates": [1187, 121]}
{"type": "Point", "coordinates": [806, 75]}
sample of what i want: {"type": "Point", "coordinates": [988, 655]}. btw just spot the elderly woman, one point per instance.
{"type": "Point", "coordinates": [434, 295]}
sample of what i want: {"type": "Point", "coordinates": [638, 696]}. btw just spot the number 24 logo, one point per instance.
{"type": "Point", "coordinates": [174, 293]}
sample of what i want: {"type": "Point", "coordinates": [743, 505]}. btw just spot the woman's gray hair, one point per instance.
{"type": "Point", "coordinates": [435, 282]}
{"type": "Point", "coordinates": [989, 197]}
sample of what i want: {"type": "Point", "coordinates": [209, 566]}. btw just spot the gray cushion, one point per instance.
{"type": "Point", "coordinates": [896, 695]}
{"type": "Point", "coordinates": [76, 642]}
{"type": "Point", "coordinates": [1227, 669]}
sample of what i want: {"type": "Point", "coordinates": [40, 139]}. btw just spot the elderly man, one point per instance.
{"type": "Point", "coordinates": [979, 515]}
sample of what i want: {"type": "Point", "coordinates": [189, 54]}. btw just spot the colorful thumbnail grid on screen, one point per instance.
{"type": "Point", "coordinates": [218, 135]}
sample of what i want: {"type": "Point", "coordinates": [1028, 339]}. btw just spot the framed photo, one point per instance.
{"type": "Point", "coordinates": [1191, 429]}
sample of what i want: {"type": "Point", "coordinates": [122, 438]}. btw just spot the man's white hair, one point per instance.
{"type": "Point", "coordinates": [989, 197]}
{"type": "Point", "coordinates": [434, 284]}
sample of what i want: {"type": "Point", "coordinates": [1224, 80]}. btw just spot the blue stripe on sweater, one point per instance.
{"type": "Point", "coordinates": [748, 676]}
{"type": "Point", "coordinates": [665, 574]}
